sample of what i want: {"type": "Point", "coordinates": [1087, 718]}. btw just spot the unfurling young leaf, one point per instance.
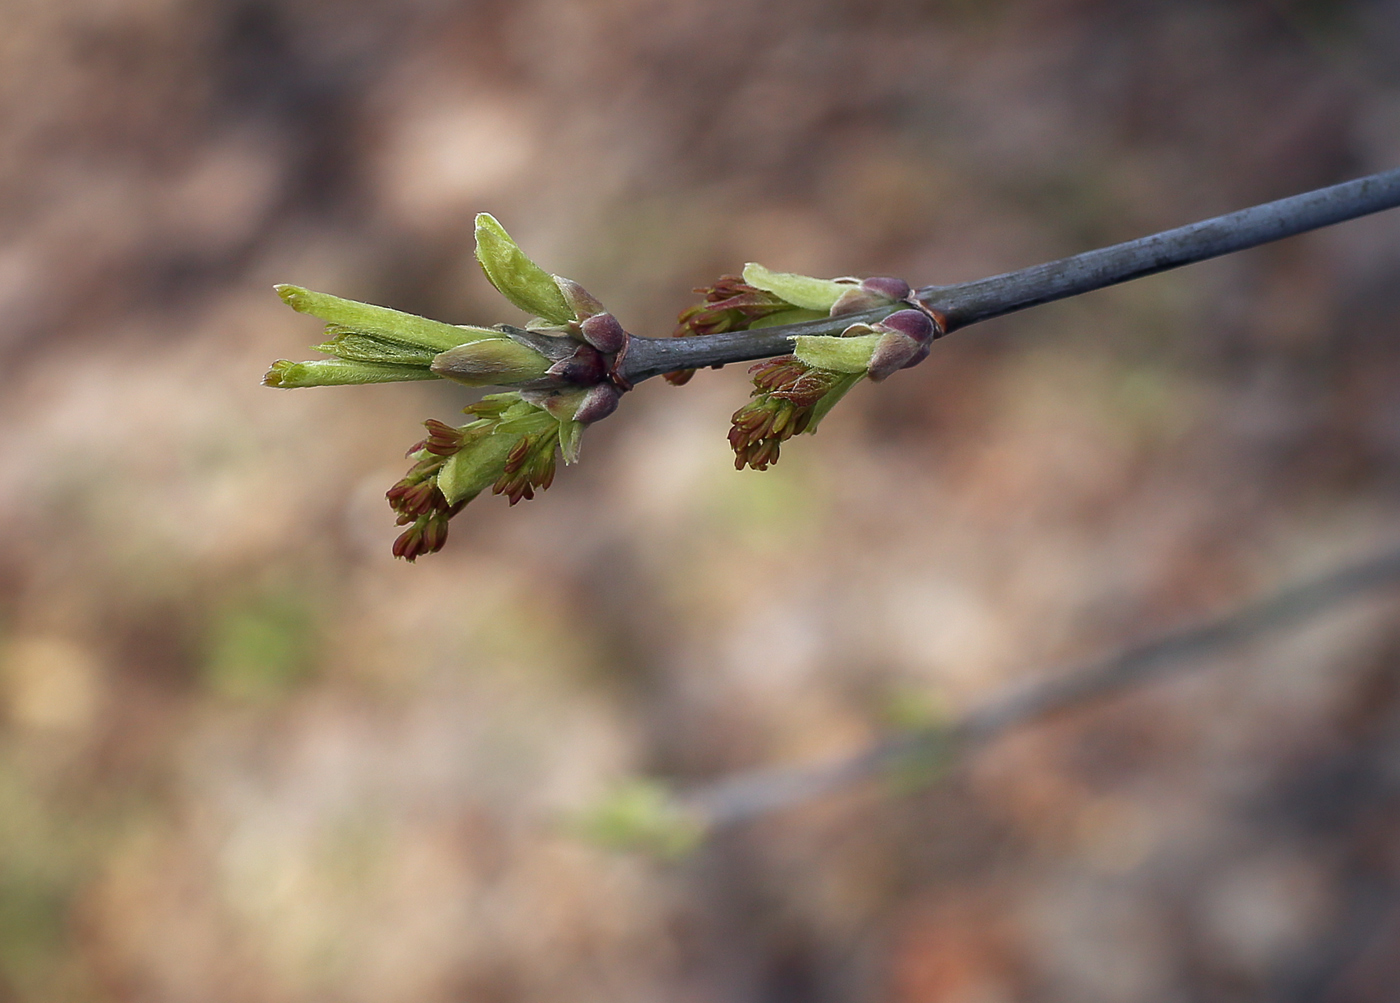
{"type": "Point", "coordinates": [340, 373]}
{"type": "Point", "coordinates": [372, 344]}
{"type": "Point", "coordinates": [392, 325]}
{"type": "Point", "coordinates": [799, 290]}
{"type": "Point", "coordinates": [515, 276]}
{"type": "Point", "coordinates": [345, 343]}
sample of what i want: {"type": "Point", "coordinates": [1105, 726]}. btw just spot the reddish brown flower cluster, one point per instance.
{"type": "Point", "coordinates": [417, 499]}
{"type": "Point", "coordinates": [731, 304]}
{"type": "Point", "coordinates": [529, 465]}
{"type": "Point", "coordinates": [786, 393]}
{"type": "Point", "coordinates": [443, 439]}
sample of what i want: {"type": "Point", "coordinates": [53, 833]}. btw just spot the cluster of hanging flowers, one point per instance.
{"type": "Point", "coordinates": [792, 393]}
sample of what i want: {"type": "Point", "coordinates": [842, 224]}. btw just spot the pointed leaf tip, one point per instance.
{"type": "Point", "coordinates": [293, 296]}
{"type": "Point", "coordinates": [273, 377]}
{"type": "Point", "coordinates": [570, 440]}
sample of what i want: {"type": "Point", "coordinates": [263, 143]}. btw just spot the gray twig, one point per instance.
{"type": "Point", "coordinates": [749, 795]}
{"type": "Point", "coordinates": [969, 302]}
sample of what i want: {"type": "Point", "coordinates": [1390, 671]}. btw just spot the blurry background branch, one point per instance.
{"type": "Point", "coordinates": [969, 302]}
{"type": "Point", "coordinates": [748, 796]}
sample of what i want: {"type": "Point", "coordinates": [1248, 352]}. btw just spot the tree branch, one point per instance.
{"type": "Point", "coordinates": [969, 302]}
{"type": "Point", "coordinates": [750, 795]}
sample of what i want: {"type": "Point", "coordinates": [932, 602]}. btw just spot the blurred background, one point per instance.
{"type": "Point", "coordinates": [247, 756]}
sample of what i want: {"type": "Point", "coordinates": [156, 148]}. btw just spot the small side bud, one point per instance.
{"type": "Point", "coordinates": [915, 323]}
{"type": "Point", "coordinates": [584, 368]}
{"type": "Point", "coordinates": [583, 406]}
{"type": "Point", "coordinates": [870, 294]}
{"type": "Point", "coordinates": [904, 341]}
{"type": "Point", "coordinates": [491, 362]}
{"type": "Point", "coordinates": [891, 288]}
{"type": "Point", "coordinates": [559, 404]}
{"type": "Point", "coordinates": [918, 357]}
{"type": "Point", "coordinates": [892, 353]}
{"type": "Point", "coordinates": [905, 337]}
{"type": "Point", "coordinates": [515, 276]}
{"type": "Point", "coordinates": [598, 402]}
{"type": "Point", "coordinates": [604, 333]}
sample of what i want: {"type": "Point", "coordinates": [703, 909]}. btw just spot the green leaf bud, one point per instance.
{"type": "Point", "coordinates": [847, 354]}
{"type": "Point", "coordinates": [491, 362]}
{"type": "Point", "coordinates": [799, 290]}
{"type": "Point", "coordinates": [641, 815]}
{"type": "Point", "coordinates": [339, 373]}
{"type": "Point", "coordinates": [515, 276]}
{"type": "Point", "coordinates": [393, 325]}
